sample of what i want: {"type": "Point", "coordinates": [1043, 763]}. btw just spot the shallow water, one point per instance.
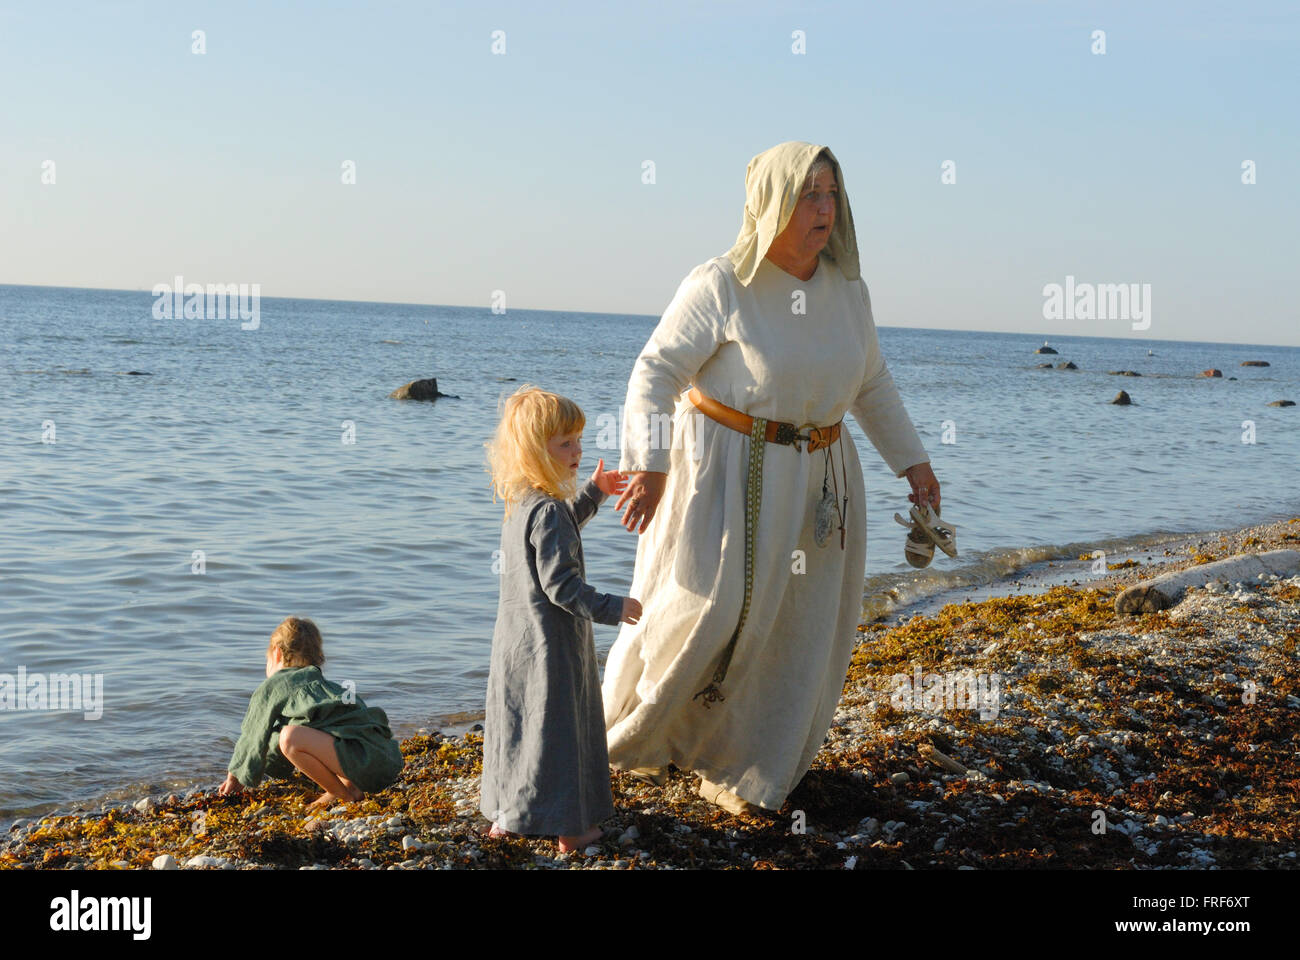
{"type": "Point", "coordinates": [233, 445]}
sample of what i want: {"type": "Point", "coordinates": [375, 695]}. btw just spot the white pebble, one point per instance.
{"type": "Point", "coordinates": [164, 862]}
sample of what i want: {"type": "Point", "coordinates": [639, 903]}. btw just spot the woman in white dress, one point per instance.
{"type": "Point", "coordinates": [751, 575]}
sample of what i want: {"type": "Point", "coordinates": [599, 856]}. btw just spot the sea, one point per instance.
{"type": "Point", "coordinates": [171, 489]}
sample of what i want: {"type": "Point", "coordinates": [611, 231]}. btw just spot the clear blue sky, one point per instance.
{"type": "Point", "coordinates": [522, 172]}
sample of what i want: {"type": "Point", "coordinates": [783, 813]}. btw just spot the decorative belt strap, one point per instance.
{"type": "Point", "coordinates": [753, 500]}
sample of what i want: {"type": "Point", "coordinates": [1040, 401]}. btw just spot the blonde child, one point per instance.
{"type": "Point", "coordinates": [545, 763]}
{"type": "Point", "coordinates": [298, 719]}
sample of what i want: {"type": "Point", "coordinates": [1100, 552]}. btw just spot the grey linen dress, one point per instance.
{"type": "Point", "coordinates": [545, 761]}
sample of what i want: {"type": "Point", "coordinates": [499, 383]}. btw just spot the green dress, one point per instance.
{"type": "Point", "coordinates": [301, 696]}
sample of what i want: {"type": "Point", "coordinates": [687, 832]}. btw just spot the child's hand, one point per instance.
{"type": "Point", "coordinates": [609, 481]}
{"type": "Point", "coordinates": [230, 786]}
{"type": "Point", "coordinates": [631, 610]}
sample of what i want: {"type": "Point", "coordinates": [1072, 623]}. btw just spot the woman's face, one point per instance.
{"type": "Point", "coordinates": [566, 448]}
{"type": "Point", "coordinates": [810, 225]}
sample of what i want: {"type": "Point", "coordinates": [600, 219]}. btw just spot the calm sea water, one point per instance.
{"type": "Point", "coordinates": [233, 445]}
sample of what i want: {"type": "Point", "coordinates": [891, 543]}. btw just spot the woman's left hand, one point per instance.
{"type": "Point", "coordinates": [925, 485]}
{"type": "Point", "coordinates": [609, 481]}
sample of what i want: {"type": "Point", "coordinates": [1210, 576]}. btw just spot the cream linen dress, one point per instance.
{"type": "Point", "coordinates": [746, 346]}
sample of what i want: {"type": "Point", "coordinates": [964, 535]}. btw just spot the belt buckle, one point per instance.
{"type": "Point", "coordinates": [787, 433]}
{"type": "Point", "coordinates": [811, 439]}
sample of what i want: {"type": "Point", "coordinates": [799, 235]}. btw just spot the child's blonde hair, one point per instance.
{"type": "Point", "coordinates": [299, 643]}
{"type": "Point", "coordinates": [517, 456]}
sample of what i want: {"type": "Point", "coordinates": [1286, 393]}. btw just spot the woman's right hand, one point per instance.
{"type": "Point", "coordinates": [644, 491]}
{"type": "Point", "coordinates": [631, 610]}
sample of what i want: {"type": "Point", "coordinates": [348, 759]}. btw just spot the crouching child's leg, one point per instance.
{"type": "Point", "coordinates": [313, 752]}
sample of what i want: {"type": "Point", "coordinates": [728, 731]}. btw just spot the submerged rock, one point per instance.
{"type": "Point", "coordinates": [1124, 373]}
{"type": "Point", "coordinates": [1212, 372]}
{"type": "Point", "coordinates": [1254, 363]}
{"type": "Point", "coordinates": [420, 390]}
{"type": "Point", "coordinates": [1282, 403]}
{"type": "Point", "coordinates": [1066, 365]}
{"type": "Point", "coordinates": [1122, 399]}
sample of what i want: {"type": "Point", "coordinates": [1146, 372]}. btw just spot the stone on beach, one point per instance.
{"type": "Point", "coordinates": [165, 862]}
{"type": "Point", "coordinates": [1165, 590]}
{"type": "Point", "coordinates": [203, 860]}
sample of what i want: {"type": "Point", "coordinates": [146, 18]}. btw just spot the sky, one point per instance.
{"type": "Point", "coordinates": [522, 171]}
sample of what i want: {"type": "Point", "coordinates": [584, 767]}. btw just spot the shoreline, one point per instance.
{"type": "Point", "coordinates": [1140, 720]}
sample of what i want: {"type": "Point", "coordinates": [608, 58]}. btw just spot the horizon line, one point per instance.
{"type": "Point", "coordinates": [656, 317]}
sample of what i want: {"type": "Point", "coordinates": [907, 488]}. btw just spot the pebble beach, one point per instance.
{"type": "Point", "coordinates": [1156, 741]}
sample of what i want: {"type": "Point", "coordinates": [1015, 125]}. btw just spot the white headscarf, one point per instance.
{"type": "Point", "coordinates": [774, 181]}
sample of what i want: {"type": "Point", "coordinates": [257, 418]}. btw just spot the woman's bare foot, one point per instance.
{"type": "Point", "coordinates": [568, 844]}
{"type": "Point", "coordinates": [725, 799]}
{"type": "Point", "coordinates": [497, 832]}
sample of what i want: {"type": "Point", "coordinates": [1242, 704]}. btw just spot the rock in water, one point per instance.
{"type": "Point", "coordinates": [1066, 365]}
{"type": "Point", "coordinates": [420, 390]}
{"type": "Point", "coordinates": [1282, 403]}
{"type": "Point", "coordinates": [1045, 350]}
{"type": "Point", "coordinates": [1254, 363]}
{"type": "Point", "coordinates": [1122, 398]}
{"type": "Point", "coordinates": [1212, 372]}
{"type": "Point", "coordinates": [1124, 373]}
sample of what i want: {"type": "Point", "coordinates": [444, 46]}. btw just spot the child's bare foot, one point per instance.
{"type": "Point", "coordinates": [496, 832]}
{"type": "Point", "coordinates": [328, 799]}
{"type": "Point", "coordinates": [568, 844]}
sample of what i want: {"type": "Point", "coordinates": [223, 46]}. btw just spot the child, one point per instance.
{"type": "Point", "coordinates": [297, 718]}
{"type": "Point", "coordinates": [545, 763]}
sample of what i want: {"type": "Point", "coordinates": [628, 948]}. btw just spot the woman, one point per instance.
{"type": "Point", "coordinates": [750, 607]}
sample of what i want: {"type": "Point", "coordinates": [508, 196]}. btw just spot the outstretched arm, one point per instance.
{"type": "Point", "coordinates": [555, 543]}
{"type": "Point", "coordinates": [248, 765]}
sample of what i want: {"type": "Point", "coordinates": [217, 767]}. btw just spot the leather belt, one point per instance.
{"type": "Point", "coordinates": [777, 431]}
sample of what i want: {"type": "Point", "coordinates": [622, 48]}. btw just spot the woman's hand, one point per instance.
{"type": "Point", "coordinates": [631, 610]}
{"type": "Point", "coordinates": [644, 490]}
{"type": "Point", "coordinates": [230, 786]}
{"type": "Point", "coordinates": [610, 482]}
{"type": "Point", "coordinates": [925, 485]}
